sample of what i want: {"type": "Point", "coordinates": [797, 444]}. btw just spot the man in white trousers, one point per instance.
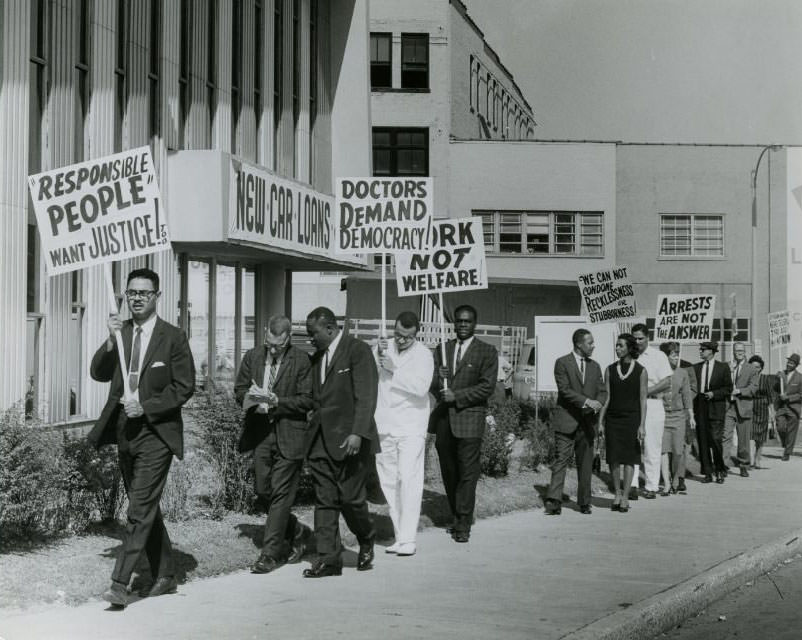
{"type": "Point", "coordinates": [402, 415]}
{"type": "Point", "coordinates": [659, 371]}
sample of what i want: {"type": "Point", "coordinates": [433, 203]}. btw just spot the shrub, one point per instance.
{"type": "Point", "coordinates": [496, 451]}
{"type": "Point", "coordinates": [537, 432]}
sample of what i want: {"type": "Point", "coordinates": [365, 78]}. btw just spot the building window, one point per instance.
{"type": "Point", "coordinates": [543, 232]}
{"type": "Point", "coordinates": [400, 152]}
{"type": "Point", "coordinates": [691, 235]}
{"type": "Point", "coordinates": [381, 60]}
{"type": "Point", "coordinates": [154, 93]}
{"type": "Point", "coordinates": [82, 69]}
{"type": "Point", "coordinates": [296, 64]}
{"type": "Point", "coordinates": [278, 75]}
{"type": "Point", "coordinates": [257, 67]}
{"type": "Point", "coordinates": [236, 70]}
{"type": "Point", "coordinates": [120, 70]}
{"type": "Point", "coordinates": [211, 65]}
{"type": "Point", "coordinates": [472, 99]}
{"type": "Point", "coordinates": [415, 61]}
{"type": "Point", "coordinates": [184, 65]}
{"type": "Point", "coordinates": [313, 78]}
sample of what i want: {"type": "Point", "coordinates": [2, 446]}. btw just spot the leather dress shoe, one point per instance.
{"type": "Point", "coordinates": [786, 458]}
{"type": "Point", "coordinates": [725, 472]}
{"type": "Point", "coordinates": [720, 478]}
{"type": "Point", "coordinates": [364, 560]}
{"type": "Point", "coordinates": [707, 479]}
{"type": "Point", "coordinates": [681, 488]}
{"type": "Point", "coordinates": [585, 509]}
{"type": "Point", "coordinates": [265, 564]}
{"type": "Point", "coordinates": [633, 493]}
{"type": "Point", "coordinates": [616, 506]}
{"type": "Point", "coordinates": [461, 536]}
{"type": "Point", "coordinates": [649, 495]}
{"type": "Point", "coordinates": [744, 472]}
{"type": "Point", "coordinates": [553, 508]}
{"type": "Point", "coordinates": [322, 571]}
{"type": "Point", "coordinates": [163, 586]}
{"type": "Point", "coordinates": [116, 594]}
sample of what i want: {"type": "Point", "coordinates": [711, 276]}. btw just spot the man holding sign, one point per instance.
{"type": "Point", "coordinates": [146, 425]}
{"type": "Point", "coordinates": [463, 383]}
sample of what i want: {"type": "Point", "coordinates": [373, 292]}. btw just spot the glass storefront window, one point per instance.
{"type": "Point", "coordinates": [198, 314]}
{"type": "Point", "coordinates": [248, 311]}
{"type": "Point", "coordinates": [225, 289]}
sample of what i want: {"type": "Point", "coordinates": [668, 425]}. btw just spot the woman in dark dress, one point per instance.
{"type": "Point", "coordinates": [762, 407]}
{"type": "Point", "coordinates": [623, 417]}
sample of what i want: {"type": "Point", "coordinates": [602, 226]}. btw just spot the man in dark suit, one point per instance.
{"type": "Point", "coordinates": [145, 422]}
{"type": "Point", "coordinates": [274, 386]}
{"type": "Point", "coordinates": [738, 418]}
{"type": "Point", "coordinates": [462, 385]}
{"type": "Point", "coordinates": [580, 396]}
{"type": "Point", "coordinates": [344, 440]}
{"type": "Point", "coordinates": [788, 404]}
{"type": "Point", "coordinates": [714, 384]}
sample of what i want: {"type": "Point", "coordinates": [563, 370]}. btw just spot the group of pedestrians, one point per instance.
{"type": "Point", "coordinates": [337, 409]}
{"type": "Point", "coordinates": [652, 410]}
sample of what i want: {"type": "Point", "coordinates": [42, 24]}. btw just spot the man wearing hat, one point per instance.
{"type": "Point", "coordinates": [714, 385]}
{"type": "Point", "coordinates": [788, 404]}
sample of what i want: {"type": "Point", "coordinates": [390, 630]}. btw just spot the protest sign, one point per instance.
{"type": "Point", "coordinates": [99, 211]}
{"type": "Point", "coordinates": [779, 328]}
{"type": "Point", "coordinates": [684, 317]}
{"type": "Point", "coordinates": [383, 215]}
{"type": "Point", "coordinates": [608, 294]}
{"type": "Point", "coordinates": [455, 261]}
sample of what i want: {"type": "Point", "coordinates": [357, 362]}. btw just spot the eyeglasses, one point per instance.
{"type": "Point", "coordinates": [401, 338]}
{"type": "Point", "coordinates": [145, 294]}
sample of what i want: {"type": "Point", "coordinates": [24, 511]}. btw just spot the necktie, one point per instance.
{"type": "Point", "coordinates": [737, 371]}
{"type": "Point", "coordinates": [707, 376]}
{"type": "Point", "coordinates": [582, 369]}
{"type": "Point", "coordinates": [459, 355]}
{"type": "Point", "coordinates": [133, 369]}
{"type": "Point", "coordinates": [272, 376]}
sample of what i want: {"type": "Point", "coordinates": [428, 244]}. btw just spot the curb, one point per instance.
{"type": "Point", "coordinates": [666, 609]}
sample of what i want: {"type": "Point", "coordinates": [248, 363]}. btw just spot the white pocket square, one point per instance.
{"type": "Point", "coordinates": [344, 370]}
{"type": "Point", "coordinates": [157, 364]}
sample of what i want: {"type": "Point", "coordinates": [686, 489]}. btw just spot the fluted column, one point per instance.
{"type": "Point", "coordinates": [285, 138]}
{"type": "Point", "coordinates": [246, 131]}
{"type": "Point", "coordinates": [223, 118]}
{"type": "Point", "coordinates": [302, 127]}
{"type": "Point", "coordinates": [266, 139]}
{"type": "Point", "coordinates": [15, 16]}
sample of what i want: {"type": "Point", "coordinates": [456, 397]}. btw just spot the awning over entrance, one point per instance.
{"type": "Point", "coordinates": [222, 206]}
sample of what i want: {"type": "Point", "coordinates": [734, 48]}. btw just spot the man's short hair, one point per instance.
{"type": "Point", "coordinates": [465, 307]}
{"type": "Point", "coordinates": [278, 325]}
{"type": "Point", "coordinates": [640, 327]}
{"type": "Point", "coordinates": [757, 358]}
{"type": "Point", "coordinates": [323, 314]}
{"type": "Point", "coordinates": [579, 336]}
{"type": "Point", "coordinates": [408, 319]}
{"type": "Point", "coordinates": [144, 273]}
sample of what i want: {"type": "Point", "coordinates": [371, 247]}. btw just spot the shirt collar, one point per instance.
{"type": "Point", "coordinates": [147, 326]}
{"type": "Point", "coordinates": [465, 343]}
{"type": "Point", "coordinates": [334, 343]}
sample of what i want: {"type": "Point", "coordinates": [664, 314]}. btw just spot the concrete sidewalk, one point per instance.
{"type": "Point", "coordinates": [525, 575]}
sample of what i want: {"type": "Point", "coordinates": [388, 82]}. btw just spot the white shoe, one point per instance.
{"type": "Point", "coordinates": [406, 549]}
{"type": "Point", "coordinates": [393, 548]}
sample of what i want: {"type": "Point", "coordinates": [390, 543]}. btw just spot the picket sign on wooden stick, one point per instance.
{"type": "Point", "coordinates": [117, 335]}
{"type": "Point", "coordinates": [443, 337]}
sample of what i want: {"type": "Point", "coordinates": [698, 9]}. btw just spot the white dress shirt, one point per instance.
{"type": "Point", "coordinates": [465, 344]}
{"type": "Point", "coordinates": [579, 365]}
{"type": "Point", "coordinates": [656, 364]}
{"type": "Point", "coordinates": [330, 353]}
{"type": "Point", "coordinates": [144, 341]}
{"type": "Point", "coordinates": [403, 404]}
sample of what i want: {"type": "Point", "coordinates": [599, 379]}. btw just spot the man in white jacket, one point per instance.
{"type": "Point", "coordinates": [402, 414]}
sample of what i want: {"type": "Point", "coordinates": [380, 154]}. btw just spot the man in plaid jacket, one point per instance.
{"type": "Point", "coordinates": [462, 385]}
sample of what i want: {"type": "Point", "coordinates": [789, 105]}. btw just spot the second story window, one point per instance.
{"type": "Point", "coordinates": [415, 61]}
{"type": "Point", "coordinates": [692, 235]}
{"type": "Point", "coordinates": [381, 61]}
{"type": "Point", "coordinates": [400, 152]}
{"type": "Point", "coordinates": [543, 232]}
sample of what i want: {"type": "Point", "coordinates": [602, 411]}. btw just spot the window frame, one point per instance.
{"type": "Point", "coordinates": [394, 148]}
{"type": "Point", "coordinates": [417, 66]}
{"type": "Point", "coordinates": [692, 255]}
{"type": "Point", "coordinates": [388, 64]}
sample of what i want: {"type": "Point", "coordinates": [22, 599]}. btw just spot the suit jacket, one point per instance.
{"type": "Point", "coordinates": [293, 386]}
{"type": "Point", "coordinates": [166, 382]}
{"type": "Point", "coordinates": [473, 384]}
{"type": "Point", "coordinates": [680, 396]}
{"type": "Point", "coordinates": [345, 403]}
{"type": "Point", "coordinates": [569, 414]}
{"type": "Point", "coordinates": [793, 389]}
{"type": "Point", "coordinates": [721, 386]}
{"type": "Point", "coordinates": [746, 383]}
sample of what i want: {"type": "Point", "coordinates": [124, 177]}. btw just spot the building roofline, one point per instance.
{"type": "Point", "coordinates": [627, 143]}
{"type": "Point", "coordinates": [463, 10]}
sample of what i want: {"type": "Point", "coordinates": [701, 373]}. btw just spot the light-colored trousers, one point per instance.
{"type": "Point", "coordinates": [400, 469]}
{"type": "Point", "coordinates": [652, 445]}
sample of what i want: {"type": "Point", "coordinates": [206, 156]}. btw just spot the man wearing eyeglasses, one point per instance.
{"type": "Point", "coordinates": [146, 425]}
{"type": "Point", "coordinates": [402, 415]}
{"type": "Point", "coordinates": [274, 387]}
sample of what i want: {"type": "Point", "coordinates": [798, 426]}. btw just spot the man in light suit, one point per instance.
{"type": "Point", "coordinates": [714, 384]}
{"type": "Point", "coordinates": [344, 441]}
{"type": "Point", "coordinates": [275, 387]}
{"type": "Point", "coordinates": [788, 404]}
{"type": "Point", "coordinates": [462, 384]}
{"type": "Point", "coordinates": [738, 418]}
{"type": "Point", "coordinates": [146, 426]}
{"type": "Point", "coordinates": [580, 396]}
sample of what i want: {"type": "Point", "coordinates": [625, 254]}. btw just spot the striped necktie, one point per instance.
{"type": "Point", "coordinates": [133, 369]}
{"type": "Point", "coordinates": [271, 380]}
